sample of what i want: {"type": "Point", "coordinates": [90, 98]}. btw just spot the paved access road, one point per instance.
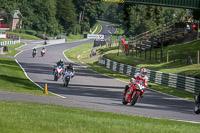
{"type": "Point", "coordinates": [91, 90]}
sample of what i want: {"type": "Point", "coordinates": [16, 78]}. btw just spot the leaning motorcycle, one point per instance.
{"type": "Point", "coordinates": [67, 77]}
{"type": "Point", "coordinates": [42, 52]}
{"type": "Point", "coordinates": [133, 92]}
{"type": "Point", "coordinates": [197, 104]}
{"type": "Point", "coordinates": [58, 72]}
{"type": "Point", "coordinates": [34, 54]}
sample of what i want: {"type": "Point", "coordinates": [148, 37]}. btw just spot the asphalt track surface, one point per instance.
{"type": "Point", "coordinates": [90, 90]}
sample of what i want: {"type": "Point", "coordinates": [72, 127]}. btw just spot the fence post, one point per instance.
{"type": "Point", "coordinates": [181, 57]}
{"type": "Point", "coordinates": [198, 57]}
{"type": "Point", "coordinates": [174, 56]}
{"type": "Point", "coordinates": [167, 57]}
{"type": "Point", "coordinates": [150, 54]}
{"type": "Point", "coordinates": [132, 52]}
{"type": "Point", "coordinates": [136, 52]}
{"type": "Point", "coordinates": [156, 54]}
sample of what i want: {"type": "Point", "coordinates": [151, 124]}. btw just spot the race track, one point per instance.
{"type": "Point", "coordinates": [91, 90]}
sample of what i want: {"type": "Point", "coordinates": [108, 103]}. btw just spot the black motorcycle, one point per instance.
{"type": "Point", "coordinates": [197, 104]}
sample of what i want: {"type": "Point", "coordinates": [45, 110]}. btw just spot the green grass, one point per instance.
{"type": "Point", "coordinates": [73, 38]}
{"type": "Point", "coordinates": [2, 39]}
{"type": "Point", "coordinates": [12, 78]}
{"type": "Point", "coordinates": [11, 49]}
{"type": "Point", "coordinates": [46, 118]}
{"type": "Point", "coordinates": [25, 36]}
{"type": "Point", "coordinates": [80, 52]}
{"type": "Point", "coordinates": [99, 28]}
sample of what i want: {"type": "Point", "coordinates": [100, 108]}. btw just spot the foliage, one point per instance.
{"type": "Point", "coordinates": [140, 18]}
{"type": "Point", "coordinates": [52, 16]}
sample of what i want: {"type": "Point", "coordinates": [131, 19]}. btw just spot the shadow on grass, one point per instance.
{"type": "Point", "coordinates": [7, 61]}
{"type": "Point", "coordinates": [18, 82]}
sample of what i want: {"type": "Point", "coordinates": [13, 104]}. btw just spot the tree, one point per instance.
{"type": "Point", "coordinates": [66, 15]}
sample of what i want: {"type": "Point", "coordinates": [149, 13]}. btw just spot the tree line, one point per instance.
{"type": "Point", "coordinates": [53, 16]}
{"type": "Point", "coordinates": [76, 16]}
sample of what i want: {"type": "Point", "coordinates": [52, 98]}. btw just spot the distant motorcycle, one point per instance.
{"type": "Point", "coordinates": [58, 71]}
{"type": "Point", "coordinates": [34, 53]}
{"type": "Point", "coordinates": [133, 91]}
{"type": "Point", "coordinates": [197, 104]}
{"type": "Point", "coordinates": [42, 52]}
{"type": "Point", "coordinates": [67, 77]}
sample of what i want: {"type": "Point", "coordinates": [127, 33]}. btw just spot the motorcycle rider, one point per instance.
{"type": "Point", "coordinates": [139, 76]}
{"type": "Point", "coordinates": [43, 50]}
{"type": "Point", "coordinates": [59, 63]}
{"type": "Point", "coordinates": [71, 68]}
{"type": "Point", "coordinates": [34, 50]}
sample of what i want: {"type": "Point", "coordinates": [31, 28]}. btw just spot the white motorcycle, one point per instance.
{"type": "Point", "coordinates": [67, 77]}
{"type": "Point", "coordinates": [197, 104]}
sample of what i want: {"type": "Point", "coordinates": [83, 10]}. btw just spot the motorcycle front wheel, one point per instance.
{"type": "Point", "coordinates": [123, 99]}
{"type": "Point", "coordinates": [196, 109]}
{"type": "Point", "coordinates": [56, 77]}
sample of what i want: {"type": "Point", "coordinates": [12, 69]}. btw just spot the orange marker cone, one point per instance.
{"type": "Point", "coordinates": [45, 89]}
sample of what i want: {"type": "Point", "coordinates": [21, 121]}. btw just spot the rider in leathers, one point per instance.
{"type": "Point", "coordinates": [139, 76]}
{"type": "Point", "coordinates": [71, 68]}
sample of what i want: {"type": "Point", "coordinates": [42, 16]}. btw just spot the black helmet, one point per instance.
{"type": "Point", "coordinates": [61, 60]}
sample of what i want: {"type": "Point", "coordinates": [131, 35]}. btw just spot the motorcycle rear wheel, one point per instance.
{"type": "Point", "coordinates": [134, 99]}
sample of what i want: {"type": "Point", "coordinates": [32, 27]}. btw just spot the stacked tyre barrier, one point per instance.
{"type": "Point", "coordinates": [9, 42]}
{"type": "Point", "coordinates": [167, 79]}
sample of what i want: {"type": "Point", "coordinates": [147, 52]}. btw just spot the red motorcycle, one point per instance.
{"type": "Point", "coordinates": [133, 91]}
{"type": "Point", "coordinates": [42, 52]}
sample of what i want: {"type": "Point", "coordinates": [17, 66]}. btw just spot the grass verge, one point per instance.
{"type": "Point", "coordinates": [12, 79]}
{"type": "Point", "coordinates": [73, 38]}
{"type": "Point", "coordinates": [80, 52]}
{"type": "Point", "coordinates": [46, 118]}
{"type": "Point", "coordinates": [11, 49]}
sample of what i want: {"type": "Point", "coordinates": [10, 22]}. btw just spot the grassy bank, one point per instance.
{"type": "Point", "coordinates": [171, 67]}
{"type": "Point", "coordinates": [12, 78]}
{"type": "Point", "coordinates": [80, 52]}
{"type": "Point", "coordinates": [45, 118]}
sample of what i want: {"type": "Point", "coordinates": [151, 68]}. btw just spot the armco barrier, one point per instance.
{"type": "Point", "coordinates": [9, 42]}
{"type": "Point", "coordinates": [167, 79]}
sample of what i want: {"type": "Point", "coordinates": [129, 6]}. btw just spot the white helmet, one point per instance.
{"type": "Point", "coordinates": [143, 72]}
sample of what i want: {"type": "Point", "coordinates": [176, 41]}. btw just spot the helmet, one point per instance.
{"type": "Point", "coordinates": [61, 60]}
{"type": "Point", "coordinates": [143, 72]}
